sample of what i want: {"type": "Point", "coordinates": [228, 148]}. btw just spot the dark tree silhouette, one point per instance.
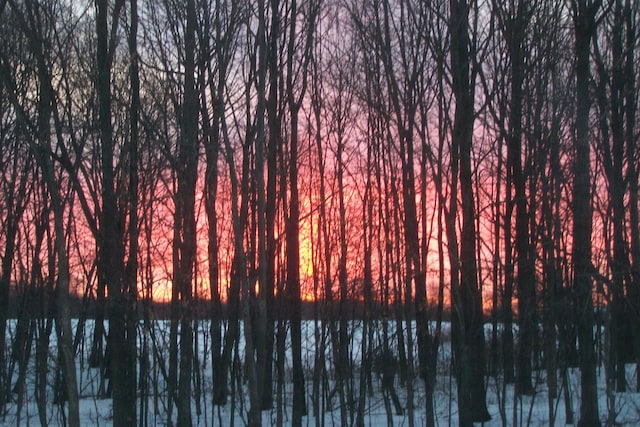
{"type": "Point", "coordinates": [584, 19]}
{"type": "Point", "coordinates": [468, 334]}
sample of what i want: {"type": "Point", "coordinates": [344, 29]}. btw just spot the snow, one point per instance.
{"type": "Point", "coordinates": [529, 410]}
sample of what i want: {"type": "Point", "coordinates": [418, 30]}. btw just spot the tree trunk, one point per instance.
{"type": "Point", "coordinates": [467, 300]}
{"type": "Point", "coordinates": [45, 161]}
{"type": "Point", "coordinates": [15, 203]}
{"type": "Point", "coordinates": [515, 29]}
{"type": "Point", "coordinates": [63, 312]}
{"type": "Point", "coordinates": [274, 144]}
{"type": "Point", "coordinates": [5, 287]}
{"type": "Point", "coordinates": [131, 289]}
{"type": "Point", "coordinates": [111, 228]}
{"type": "Point", "coordinates": [584, 24]}
{"type": "Point", "coordinates": [295, 95]}
{"type": "Point", "coordinates": [185, 217]}
{"type": "Point", "coordinates": [293, 280]}
{"type": "Point", "coordinates": [630, 94]}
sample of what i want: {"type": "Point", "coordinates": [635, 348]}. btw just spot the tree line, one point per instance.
{"type": "Point", "coordinates": [403, 157]}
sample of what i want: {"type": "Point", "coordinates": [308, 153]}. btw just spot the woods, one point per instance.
{"type": "Point", "coordinates": [286, 212]}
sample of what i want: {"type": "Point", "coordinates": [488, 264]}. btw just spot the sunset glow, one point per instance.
{"type": "Point", "coordinates": [291, 212]}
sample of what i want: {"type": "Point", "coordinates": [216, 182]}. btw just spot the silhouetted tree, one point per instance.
{"type": "Point", "coordinates": [584, 19]}
{"type": "Point", "coordinates": [467, 330]}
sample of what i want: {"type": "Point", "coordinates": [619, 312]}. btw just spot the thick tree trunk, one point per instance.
{"type": "Point", "coordinates": [111, 231]}
{"type": "Point", "coordinates": [467, 302]}
{"type": "Point", "coordinates": [611, 146]}
{"type": "Point", "coordinates": [295, 95]}
{"type": "Point", "coordinates": [633, 167]}
{"type": "Point", "coordinates": [131, 288]}
{"type": "Point", "coordinates": [293, 280]}
{"type": "Point", "coordinates": [5, 286]}
{"type": "Point", "coordinates": [515, 30]}
{"type": "Point", "coordinates": [584, 25]}
{"type": "Point", "coordinates": [620, 264]}
{"type": "Point", "coordinates": [185, 213]}
{"type": "Point", "coordinates": [264, 224]}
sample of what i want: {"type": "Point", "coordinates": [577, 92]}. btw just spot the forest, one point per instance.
{"type": "Point", "coordinates": [319, 212]}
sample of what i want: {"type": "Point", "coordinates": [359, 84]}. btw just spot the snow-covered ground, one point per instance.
{"type": "Point", "coordinates": [502, 405]}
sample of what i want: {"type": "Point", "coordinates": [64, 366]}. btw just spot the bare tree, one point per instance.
{"type": "Point", "coordinates": [16, 161]}
{"type": "Point", "coordinates": [514, 20]}
{"type": "Point", "coordinates": [131, 268]}
{"type": "Point", "coordinates": [299, 45]}
{"type": "Point", "coordinates": [185, 221]}
{"type": "Point", "coordinates": [633, 169]}
{"type": "Point", "coordinates": [614, 121]}
{"type": "Point", "coordinates": [37, 30]}
{"type": "Point", "coordinates": [585, 23]}
{"type": "Point", "coordinates": [468, 334]}
{"type": "Point", "coordinates": [122, 363]}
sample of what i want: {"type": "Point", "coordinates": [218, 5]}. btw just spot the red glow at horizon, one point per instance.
{"type": "Point", "coordinates": [156, 281]}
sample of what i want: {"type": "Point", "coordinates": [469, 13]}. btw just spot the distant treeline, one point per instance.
{"type": "Point", "coordinates": [320, 310]}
